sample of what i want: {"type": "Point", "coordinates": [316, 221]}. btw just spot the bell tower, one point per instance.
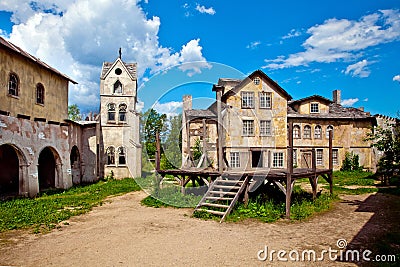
{"type": "Point", "coordinates": [120, 147]}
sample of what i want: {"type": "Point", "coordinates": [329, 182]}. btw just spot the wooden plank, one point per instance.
{"type": "Point", "coordinates": [223, 193]}
{"type": "Point", "coordinates": [215, 205]}
{"type": "Point", "coordinates": [226, 186]}
{"type": "Point", "coordinates": [218, 198]}
{"type": "Point", "coordinates": [213, 212]}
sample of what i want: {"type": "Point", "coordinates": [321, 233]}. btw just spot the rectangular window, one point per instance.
{"type": "Point", "coordinates": [122, 116]}
{"type": "Point", "coordinates": [248, 127]}
{"type": "Point", "coordinates": [235, 162]}
{"type": "Point", "coordinates": [319, 157]}
{"type": "Point", "coordinates": [335, 158]}
{"type": "Point", "coordinates": [294, 157]}
{"type": "Point", "coordinates": [111, 116]}
{"type": "Point", "coordinates": [265, 100]}
{"type": "Point", "coordinates": [314, 108]}
{"type": "Point", "coordinates": [265, 128]}
{"type": "Point", "coordinates": [247, 99]}
{"type": "Point", "coordinates": [277, 160]}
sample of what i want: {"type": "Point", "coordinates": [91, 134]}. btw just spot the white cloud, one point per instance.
{"type": "Point", "coordinates": [253, 45]}
{"type": "Point", "coordinates": [358, 69]}
{"type": "Point", "coordinates": [169, 108]}
{"type": "Point", "coordinates": [203, 9]}
{"type": "Point", "coordinates": [342, 39]}
{"type": "Point", "coordinates": [76, 36]}
{"type": "Point", "coordinates": [349, 102]}
{"type": "Point", "coordinates": [293, 33]}
{"type": "Point", "coordinates": [396, 78]}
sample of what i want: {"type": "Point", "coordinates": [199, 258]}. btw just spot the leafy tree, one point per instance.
{"type": "Point", "coordinates": [351, 162]}
{"type": "Point", "coordinates": [151, 123]}
{"type": "Point", "coordinates": [74, 113]}
{"type": "Point", "coordinates": [172, 157]}
{"type": "Point", "coordinates": [387, 140]}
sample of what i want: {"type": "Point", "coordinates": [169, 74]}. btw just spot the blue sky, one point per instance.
{"type": "Point", "coordinates": [183, 47]}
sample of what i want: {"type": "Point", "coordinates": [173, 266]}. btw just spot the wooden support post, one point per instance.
{"type": "Point", "coordinates": [313, 182]}
{"type": "Point", "coordinates": [218, 89]}
{"type": "Point", "coordinates": [205, 159]}
{"type": "Point", "coordinates": [246, 194]}
{"type": "Point", "coordinates": [314, 160]}
{"type": "Point", "coordinates": [158, 151]}
{"type": "Point", "coordinates": [288, 193]}
{"type": "Point", "coordinates": [290, 149]}
{"type": "Point", "coordinates": [330, 161]}
{"type": "Point", "coordinates": [188, 146]}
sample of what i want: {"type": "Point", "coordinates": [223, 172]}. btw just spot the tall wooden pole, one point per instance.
{"type": "Point", "coordinates": [331, 161]}
{"type": "Point", "coordinates": [158, 151]}
{"type": "Point", "coordinates": [218, 89]}
{"type": "Point", "coordinates": [290, 170]}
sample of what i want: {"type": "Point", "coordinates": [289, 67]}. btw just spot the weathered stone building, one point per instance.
{"type": "Point", "coordinates": [40, 148]}
{"type": "Point", "coordinates": [255, 113]}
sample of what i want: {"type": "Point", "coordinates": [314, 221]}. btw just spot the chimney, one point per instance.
{"type": "Point", "coordinates": [187, 102]}
{"type": "Point", "coordinates": [361, 108]}
{"type": "Point", "coordinates": [337, 96]}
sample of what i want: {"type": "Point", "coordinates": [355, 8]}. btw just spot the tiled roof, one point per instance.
{"type": "Point", "coordinates": [335, 112]}
{"type": "Point", "coordinates": [200, 113]}
{"type": "Point", "coordinates": [18, 50]}
{"type": "Point", "coordinates": [131, 67]}
{"type": "Point", "coordinates": [316, 97]}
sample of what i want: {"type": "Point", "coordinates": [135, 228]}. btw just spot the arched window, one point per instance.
{"type": "Point", "coordinates": [110, 155]}
{"type": "Point", "coordinates": [307, 132]}
{"type": "Point", "coordinates": [40, 94]}
{"type": "Point", "coordinates": [328, 129]}
{"type": "Point", "coordinates": [318, 132]}
{"type": "Point", "coordinates": [296, 132]}
{"type": "Point", "coordinates": [111, 112]}
{"type": "Point", "coordinates": [121, 156]}
{"type": "Point", "coordinates": [117, 87]}
{"type": "Point", "coordinates": [122, 112]}
{"type": "Point", "coordinates": [13, 84]}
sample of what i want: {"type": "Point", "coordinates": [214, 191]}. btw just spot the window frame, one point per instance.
{"type": "Point", "coordinates": [40, 94]}
{"type": "Point", "coordinates": [328, 129]}
{"type": "Point", "coordinates": [16, 83]}
{"type": "Point", "coordinates": [307, 132]}
{"type": "Point", "coordinates": [265, 100]}
{"type": "Point", "coordinates": [296, 128]}
{"type": "Point", "coordinates": [257, 80]}
{"type": "Point", "coordinates": [277, 160]}
{"type": "Point", "coordinates": [111, 110]}
{"type": "Point", "coordinates": [335, 159]}
{"type": "Point", "coordinates": [319, 157]}
{"type": "Point", "coordinates": [246, 128]}
{"type": "Point", "coordinates": [121, 151]}
{"type": "Point", "coordinates": [110, 152]}
{"type": "Point", "coordinates": [115, 86]}
{"type": "Point", "coordinates": [318, 134]}
{"type": "Point", "coordinates": [266, 130]}
{"type": "Point", "coordinates": [122, 111]}
{"type": "Point", "coordinates": [234, 159]}
{"type": "Point", "coordinates": [295, 157]}
{"type": "Point", "coordinates": [315, 104]}
{"type": "Point", "coordinates": [247, 98]}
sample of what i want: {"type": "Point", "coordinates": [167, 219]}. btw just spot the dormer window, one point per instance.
{"type": "Point", "coordinates": [256, 81]}
{"type": "Point", "coordinates": [314, 108]}
{"type": "Point", "coordinates": [117, 87]}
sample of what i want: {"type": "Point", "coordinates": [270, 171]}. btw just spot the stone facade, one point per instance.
{"type": "Point", "coordinates": [256, 112]}
{"type": "Point", "coordinates": [40, 148]}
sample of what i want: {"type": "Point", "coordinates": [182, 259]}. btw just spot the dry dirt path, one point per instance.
{"type": "Point", "coordinates": [125, 233]}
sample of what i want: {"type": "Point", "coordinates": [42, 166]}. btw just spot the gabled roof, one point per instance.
{"type": "Point", "coordinates": [200, 114]}
{"type": "Point", "coordinates": [10, 46]}
{"type": "Point", "coordinates": [336, 111]}
{"type": "Point", "coordinates": [130, 68]}
{"type": "Point", "coordinates": [313, 97]}
{"type": "Point", "coordinates": [262, 75]}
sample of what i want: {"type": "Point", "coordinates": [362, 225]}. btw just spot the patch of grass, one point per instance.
{"type": "Point", "coordinates": [55, 206]}
{"type": "Point", "coordinates": [171, 196]}
{"type": "Point", "coordinates": [355, 191]}
{"type": "Point", "coordinates": [353, 178]}
{"type": "Point", "coordinates": [270, 208]}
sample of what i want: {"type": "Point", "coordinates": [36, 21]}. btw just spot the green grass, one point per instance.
{"type": "Point", "coordinates": [354, 178]}
{"type": "Point", "coordinates": [270, 208]}
{"type": "Point", "coordinates": [171, 197]}
{"type": "Point", "coordinates": [52, 207]}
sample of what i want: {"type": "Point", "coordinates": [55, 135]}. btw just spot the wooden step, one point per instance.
{"type": "Point", "coordinates": [218, 198]}
{"type": "Point", "coordinates": [226, 186]}
{"type": "Point", "coordinates": [220, 213]}
{"type": "Point", "coordinates": [223, 193]}
{"type": "Point", "coordinates": [230, 181]}
{"type": "Point", "coordinates": [215, 205]}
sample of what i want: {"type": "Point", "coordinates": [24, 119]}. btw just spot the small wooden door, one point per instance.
{"type": "Point", "coordinates": [306, 159]}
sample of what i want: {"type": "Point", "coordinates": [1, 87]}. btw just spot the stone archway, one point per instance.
{"type": "Point", "coordinates": [76, 170]}
{"type": "Point", "coordinates": [48, 169]}
{"type": "Point", "coordinates": [9, 170]}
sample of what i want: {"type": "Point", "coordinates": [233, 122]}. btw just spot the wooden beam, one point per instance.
{"type": "Point", "coordinates": [158, 151]}
{"type": "Point", "coordinates": [290, 148]}
{"type": "Point", "coordinates": [288, 194]}
{"type": "Point", "coordinates": [330, 150]}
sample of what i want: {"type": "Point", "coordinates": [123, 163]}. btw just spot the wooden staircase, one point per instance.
{"type": "Point", "coordinates": [222, 196]}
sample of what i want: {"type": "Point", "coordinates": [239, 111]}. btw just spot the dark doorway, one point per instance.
{"type": "Point", "coordinates": [256, 159]}
{"type": "Point", "coordinates": [9, 170]}
{"type": "Point", "coordinates": [47, 169]}
{"type": "Point", "coordinates": [75, 160]}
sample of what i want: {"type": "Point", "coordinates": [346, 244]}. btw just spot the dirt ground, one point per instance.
{"type": "Point", "coordinates": [125, 233]}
